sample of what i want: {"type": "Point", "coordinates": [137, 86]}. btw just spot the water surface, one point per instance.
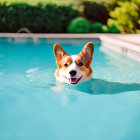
{"type": "Point", "coordinates": [33, 105]}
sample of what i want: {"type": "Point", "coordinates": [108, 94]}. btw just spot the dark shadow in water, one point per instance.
{"type": "Point", "coordinates": [99, 86]}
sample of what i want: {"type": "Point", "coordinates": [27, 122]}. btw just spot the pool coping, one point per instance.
{"type": "Point", "coordinates": [131, 50]}
{"type": "Point", "coordinates": [51, 35]}
{"type": "Point", "coordinates": [116, 42]}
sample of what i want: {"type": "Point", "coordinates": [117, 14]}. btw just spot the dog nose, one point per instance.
{"type": "Point", "coordinates": [73, 73]}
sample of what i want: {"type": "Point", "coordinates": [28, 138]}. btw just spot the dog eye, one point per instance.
{"type": "Point", "coordinates": [66, 65]}
{"type": "Point", "coordinates": [80, 64]}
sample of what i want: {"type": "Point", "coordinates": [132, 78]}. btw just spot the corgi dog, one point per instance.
{"type": "Point", "coordinates": [73, 69]}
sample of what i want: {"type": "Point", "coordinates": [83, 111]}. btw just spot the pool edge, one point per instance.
{"type": "Point", "coordinates": [114, 42]}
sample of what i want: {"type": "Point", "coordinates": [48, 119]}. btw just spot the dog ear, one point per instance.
{"type": "Point", "coordinates": [58, 52]}
{"type": "Point", "coordinates": [87, 52]}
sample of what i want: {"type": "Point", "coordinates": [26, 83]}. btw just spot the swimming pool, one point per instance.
{"type": "Point", "coordinates": [34, 106]}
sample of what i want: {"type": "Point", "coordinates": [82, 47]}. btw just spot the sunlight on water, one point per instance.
{"type": "Point", "coordinates": [33, 105]}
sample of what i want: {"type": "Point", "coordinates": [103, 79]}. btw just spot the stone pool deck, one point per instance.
{"type": "Point", "coordinates": [130, 38]}
{"type": "Point", "coordinates": [128, 44]}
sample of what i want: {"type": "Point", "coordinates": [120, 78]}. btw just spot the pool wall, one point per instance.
{"type": "Point", "coordinates": [127, 44]}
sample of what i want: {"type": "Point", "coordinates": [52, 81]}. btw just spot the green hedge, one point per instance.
{"type": "Point", "coordinates": [79, 25]}
{"type": "Point", "coordinates": [48, 18]}
{"type": "Point", "coordinates": [97, 27]}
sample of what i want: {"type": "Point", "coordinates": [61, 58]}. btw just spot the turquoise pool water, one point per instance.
{"type": "Point", "coordinates": [33, 106]}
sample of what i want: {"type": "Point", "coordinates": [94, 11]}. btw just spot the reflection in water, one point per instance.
{"type": "Point", "coordinates": [100, 86]}
{"type": "Point", "coordinates": [1, 73]}
{"type": "Point", "coordinates": [40, 78]}
{"type": "Point", "coordinates": [93, 86]}
{"type": "Point", "coordinates": [69, 93]}
{"type": "Point", "coordinates": [31, 70]}
{"type": "Point", "coordinates": [65, 93]}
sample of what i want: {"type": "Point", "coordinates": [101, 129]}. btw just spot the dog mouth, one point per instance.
{"type": "Point", "coordinates": [74, 81]}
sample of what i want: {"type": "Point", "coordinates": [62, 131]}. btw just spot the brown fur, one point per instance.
{"type": "Point", "coordinates": [66, 60]}
{"type": "Point", "coordinates": [86, 67]}
{"type": "Point", "coordinates": [82, 53]}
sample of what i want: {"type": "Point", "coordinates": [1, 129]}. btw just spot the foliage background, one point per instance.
{"type": "Point", "coordinates": [53, 16]}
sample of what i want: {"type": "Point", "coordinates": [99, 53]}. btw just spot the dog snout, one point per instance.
{"type": "Point", "coordinates": [72, 72]}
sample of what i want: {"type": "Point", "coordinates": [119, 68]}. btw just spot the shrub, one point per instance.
{"type": "Point", "coordinates": [105, 29]}
{"type": "Point", "coordinates": [113, 4]}
{"type": "Point", "coordinates": [96, 27]}
{"type": "Point", "coordinates": [79, 25]}
{"type": "Point", "coordinates": [126, 16]}
{"type": "Point", "coordinates": [110, 29]}
{"type": "Point", "coordinates": [49, 18]}
{"type": "Point", "coordinates": [95, 12]}
{"type": "Point", "coordinates": [113, 29]}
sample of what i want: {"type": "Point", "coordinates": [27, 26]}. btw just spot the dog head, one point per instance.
{"type": "Point", "coordinates": [73, 69]}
